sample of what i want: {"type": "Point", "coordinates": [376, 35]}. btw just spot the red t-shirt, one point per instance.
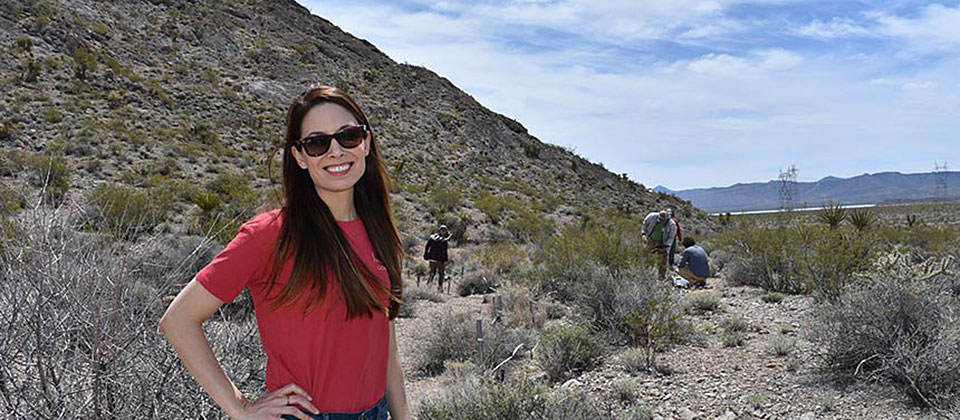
{"type": "Point", "coordinates": [342, 364]}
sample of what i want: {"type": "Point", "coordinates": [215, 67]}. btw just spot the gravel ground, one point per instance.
{"type": "Point", "coordinates": [709, 380]}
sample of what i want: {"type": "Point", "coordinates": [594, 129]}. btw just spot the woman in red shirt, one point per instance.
{"type": "Point", "coordinates": [324, 273]}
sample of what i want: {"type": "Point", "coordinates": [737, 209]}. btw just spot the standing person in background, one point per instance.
{"type": "Point", "coordinates": [658, 232]}
{"type": "Point", "coordinates": [436, 254]}
{"type": "Point", "coordinates": [324, 273]}
{"type": "Point", "coordinates": [676, 240]}
{"type": "Point", "coordinates": [693, 263]}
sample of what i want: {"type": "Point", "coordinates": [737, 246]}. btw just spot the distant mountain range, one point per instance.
{"type": "Point", "coordinates": [879, 188]}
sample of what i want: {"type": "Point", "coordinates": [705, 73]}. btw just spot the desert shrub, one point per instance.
{"type": "Point", "coordinates": [653, 322]}
{"type": "Point", "coordinates": [496, 207]}
{"type": "Point", "coordinates": [476, 283]}
{"type": "Point", "coordinates": [444, 198]}
{"type": "Point", "coordinates": [565, 351]}
{"type": "Point", "coordinates": [125, 212]}
{"type": "Point", "coordinates": [832, 214]}
{"type": "Point", "coordinates": [227, 202]}
{"type": "Point", "coordinates": [830, 261]}
{"type": "Point", "coordinates": [733, 338]}
{"type": "Point", "coordinates": [625, 390]}
{"type": "Point", "coordinates": [773, 297]}
{"type": "Point", "coordinates": [84, 62]}
{"type": "Point", "coordinates": [799, 259]}
{"type": "Point", "coordinates": [736, 323]}
{"type": "Point", "coordinates": [417, 293]}
{"type": "Point", "coordinates": [700, 302]}
{"type": "Point", "coordinates": [531, 226]}
{"type": "Point", "coordinates": [613, 247]}
{"type": "Point", "coordinates": [781, 345]}
{"type": "Point", "coordinates": [51, 174]}
{"type": "Point", "coordinates": [11, 201]}
{"type": "Point", "coordinates": [634, 360]}
{"type": "Point", "coordinates": [521, 307]}
{"type": "Point", "coordinates": [454, 338]}
{"type": "Point", "coordinates": [630, 305]}
{"type": "Point", "coordinates": [80, 303]}
{"type": "Point", "coordinates": [29, 70]}
{"type": "Point", "coordinates": [896, 328]}
{"type": "Point", "coordinates": [501, 257]}
{"type": "Point", "coordinates": [472, 399]}
{"type": "Point", "coordinates": [23, 44]}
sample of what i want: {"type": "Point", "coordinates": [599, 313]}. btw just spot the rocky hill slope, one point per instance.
{"type": "Point", "coordinates": [189, 97]}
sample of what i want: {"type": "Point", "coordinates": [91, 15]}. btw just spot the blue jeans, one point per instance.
{"type": "Point", "coordinates": [377, 412]}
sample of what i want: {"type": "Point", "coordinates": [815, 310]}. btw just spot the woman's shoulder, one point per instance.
{"type": "Point", "coordinates": [264, 224]}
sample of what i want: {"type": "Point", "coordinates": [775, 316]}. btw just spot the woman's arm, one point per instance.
{"type": "Point", "coordinates": [396, 394]}
{"type": "Point", "coordinates": [182, 325]}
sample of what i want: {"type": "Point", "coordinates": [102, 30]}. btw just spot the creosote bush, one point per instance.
{"type": "Point", "coordinates": [565, 352]}
{"type": "Point", "coordinates": [521, 399]}
{"type": "Point", "coordinates": [125, 212]}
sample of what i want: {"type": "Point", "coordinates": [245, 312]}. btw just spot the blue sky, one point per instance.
{"type": "Point", "coordinates": [697, 93]}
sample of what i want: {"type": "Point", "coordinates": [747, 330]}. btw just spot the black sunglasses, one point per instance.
{"type": "Point", "coordinates": [318, 143]}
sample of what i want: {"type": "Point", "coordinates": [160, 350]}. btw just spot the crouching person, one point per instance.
{"type": "Point", "coordinates": [693, 263]}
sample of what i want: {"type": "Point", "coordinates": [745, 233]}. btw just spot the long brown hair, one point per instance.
{"type": "Point", "coordinates": [310, 233]}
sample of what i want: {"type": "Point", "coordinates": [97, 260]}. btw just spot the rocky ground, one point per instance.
{"type": "Point", "coordinates": [706, 379]}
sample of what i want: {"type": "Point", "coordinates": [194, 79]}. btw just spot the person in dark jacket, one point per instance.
{"type": "Point", "coordinates": [693, 263]}
{"type": "Point", "coordinates": [436, 254]}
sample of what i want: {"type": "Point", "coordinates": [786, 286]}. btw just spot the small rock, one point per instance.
{"type": "Point", "coordinates": [686, 414]}
{"type": "Point", "coordinates": [570, 384]}
{"type": "Point", "coordinates": [729, 415]}
{"type": "Point", "coordinates": [808, 416]}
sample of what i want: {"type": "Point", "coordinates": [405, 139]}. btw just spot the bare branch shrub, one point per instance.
{"type": "Point", "coordinates": [78, 315]}
{"type": "Point", "coordinates": [895, 328]}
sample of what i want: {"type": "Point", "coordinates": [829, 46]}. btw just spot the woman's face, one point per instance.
{"type": "Point", "coordinates": [335, 172]}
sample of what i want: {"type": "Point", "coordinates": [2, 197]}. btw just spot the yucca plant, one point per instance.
{"type": "Point", "coordinates": [862, 219]}
{"type": "Point", "coordinates": [912, 220]}
{"type": "Point", "coordinates": [832, 214]}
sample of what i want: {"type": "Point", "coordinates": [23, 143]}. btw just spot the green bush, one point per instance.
{"type": "Point", "coordinates": [445, 198]}
{"type": "Point", "coordinates": [565, 352]}
{"type": "Point", "coordinates": [227, 202]}
{"type": "Point", "coordinates": [496, 207]}
{"type": "Point", "coordinates": [125, 212]}
{"type": "Point", "coordinates": [23, 44]}
{"type": "Point", "coordinates": [700, 302]}
{"type": "Point", "coordinates": [454, 338]}
{"type": "Point", "coordinates": [515, 400]}
{"type": "Point", "coordinates": [615, 248]}
{"type": "Point", "coordinates": [477, 283]}
{"type": "Point", "coordinates": [10, 201]}
{"type": "Point", "coordinates": [501, 257]}
{"type": "Point", "coordinates": [50, 173]}
{"type": "Point", "coordinates": [531, 226]}
{"type": "Point", "coordinates": [29, 70]}
{"type": "Point", "coordinates": [85, 61]}
{"type": "Point", "coordinates": [799, 259]}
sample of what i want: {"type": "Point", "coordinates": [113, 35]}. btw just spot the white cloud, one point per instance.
{"type": "Point", "coordinates": [936, 28]}
{"type": "Point", "coordinates": [835, 28]}
{"type": "Point", "coordinates": [736, 113]}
